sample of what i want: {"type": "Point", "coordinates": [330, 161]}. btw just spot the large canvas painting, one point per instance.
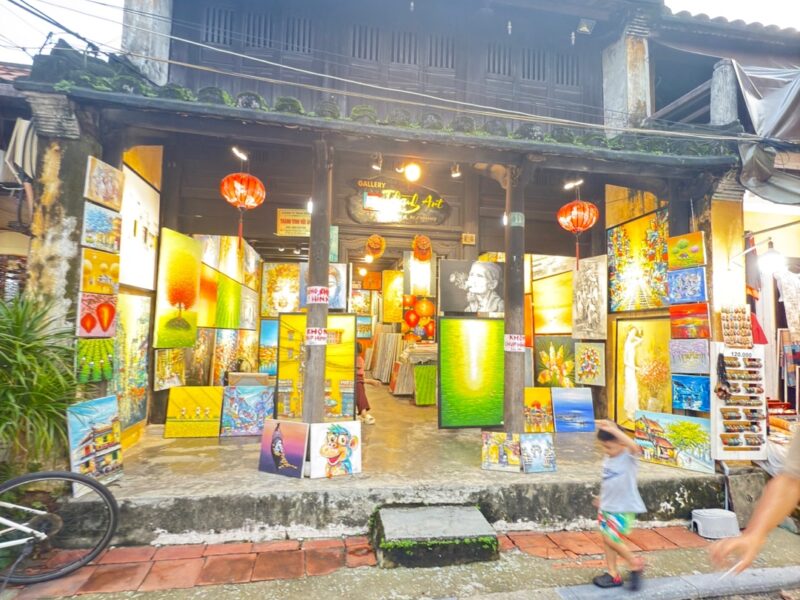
{"type": "Point", "coordinates": [689, 356]}
{"type": "Point", "coordinates": [471, 287]}
{"type": "Point", "coordinates": [231, 257]}
{"type": "Point", "coordinates": [198, 358]}
{"type": "Point", "coordinates": [674, 440]}
{"type": "Point", "coordinates": [138, 249]}
{"type": "Point", "coordinates": [170, 368]}
{"type": "Point", "coordinates": [207, 299]}
{"type": "Point", "coordinates": [99, 272]}
{"type": "Point", "coordinates": [229, 303]}
{"type": "Point", "coordinates": [687, 285]}
{"type": "Point", "coordinates": [178, 291]}
{"type": "Point", "coordinates": [95, 439]}
{"type": "Point", "coordinates": [538, 410]}
{"type": "Point", "coordinates": [637, 263]}
{"type": "Point", "coordinates": [247, 350]}
{"type": "Point", "coordinates": [103, 183]}
{"type": "Point", "coordinates": [280, 288]}
{"type": "Point", "coordinates": [268, 347]}
{"type": "Point", "coordinates": [573, 410]}
{"type": "Point", "coordinates": [538, 452]}
{"type": "Point", "coordinates": [251, 267]}
{"type": "Point", "coordinates": [554, 361]}
{"type": "Point", "coordinates": [101, 228]}
{"type": "Point", "coordinates": [225, 347]}
{"type": "Point", "coordinates": [590, 299]}
{"type": "Point", "coordinates": [691, 392]}
{"type": "Point", "coordinates": [335, 449]}
{"type": "Point", "coordinates": [283, 448]}
{"type": "Point", "coordinates": [552, 304]}
{"type": "Point", "coordinates": [392, 286]}
{"type": "Point", "coordinates": [642, 368]}
{"type": "Point", "coordinates": [94, 360]}
{"type": "Point", "coordinates": [690, 321]}
{"type": "Point", "coordinates": [244, 409]}
{"type": "Point", "coordinates": [688, 250]}
{"type": "Point", "coordinates": [337, 285]}
{"type": "Point", "coordinates": [131, 381]}
{"type": "Point", "coordinates": [210, 254]}
{"type": "Point", "coordinates": [590, 363]}
{"type": "Point", "coordinates": [248, 315]}
{"type": "Point", "coordinates": [471, 372]}
{"type": "Point", "coordinates": [97, 315]}
{"type": "Point", "coordinates": [500, 452]}
{"type": "Point", "coordinates": [193, 412]}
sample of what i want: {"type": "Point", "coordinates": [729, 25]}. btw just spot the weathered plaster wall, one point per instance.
{"type": "Point", "coordinates": [145, 35]}
{"type": "Point", "coordinates": [626, 82]}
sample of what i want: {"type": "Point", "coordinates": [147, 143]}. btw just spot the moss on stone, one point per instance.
{"type": "Point", "coordinates": [496, 127]}
{"type": "Point", "coordinates": [432, 121]}
{"type": "Point", "coordinates": [127, 84]}
{"type": "Point", "coordinates": [528, 131]}
{"type": "Point", "coordinates": [327, 109]}
{"type": "Point", "coordinates": [173, 91]}
{"type": "Point", "coordinates": [288, 104]}
{"type": "Point", "coordinates": [252, 101]}
{"type": "Point", "coordinates": [399, 117]}
{"type": "Point", "coordinates": [215, 95]}
{"type": "Point", "coordinates": [364, 113]}
{"type": "Point", "coordinates": [463, 124]}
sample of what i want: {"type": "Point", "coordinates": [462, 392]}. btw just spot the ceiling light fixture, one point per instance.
{"type": "Point", "coordinates": [368, 258]}
{"type": "Point", "coordinates": [296, 251]}
{"type": "Point", "coordinates": [377, 162]}
{"type": "Point", "coordinates": [310, 206]}
{"type": "Point", "coordinates": [455, 171]}
{"type": "Point", "coordinates": [586, 26]}
{"type": "Point", "coordinates": [573, 184]}
{"type": "Point", "coordinates": [362, 271]}
{"type": "Point", "coordinates": [238, 153]}
{"type": "Point", "coordinates": [281, 249]}
{"type": "Point", "coordinates": [412, 171]}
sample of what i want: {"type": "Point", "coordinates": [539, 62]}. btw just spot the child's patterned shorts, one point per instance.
{"type": "Point", "coordinates": [615, 525]}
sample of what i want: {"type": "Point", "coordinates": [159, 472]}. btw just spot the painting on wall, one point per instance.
{"type": "Point", "coordinates": [642, 368]}
{"type": "Point", "coordinates": [624, 204]}
{"type": "Point", "coordinates": [178, 291]}
{"type": "Point", "coordinates": [361, 302]}
{"type": "Point", "coordinates": [337, 285]}
{"type": "Point", "coordinates": [138, 249]}
{"type": "Point", "coordinates": [687, 285]}
{"type": "Point", "coordinates": [251, 267]}
{"type": "Point", "coordinates": [101, 228]}
{"type": "Point", "coordinates": [244, 409]}
{"type": "Point", "coordinates": [94, 360]}
{"type": "Point", "coordinates": [198, 358]}
{"type": "Point", "coordinates": [689, 356]}
{"type": "Point", "coordinates": [392, 286]}
{"type": "Point", "coordinates": [688, 250]}
{"type": "Point", "coordinates": [95, 440]}
{"type": "Point", "coordinates": [471, 372]}
{"type": "Point", "coordinates": [637, 263]}
{"type": "Point", "coordinates": [419, 318]}
{"type": "Point", "coordinates": [335, 449]}
{"type": "Point", "coordinates": [691, 392]}
{"type": "Point", "coordinates": [225, 345]}
{"type": "Point", "coordinates": [471, 287]}
{"type": "Point", "coordinates": [99, 272]}
{"type": "Point", "coordinates": [170, 368]}
{"type": "Point", "coordinates": [248, 315]}
{"type": "Point", "coordinates": [283, 448]}
{"type": "Point", "coordinates": [207, 300]}
{"type": "Point", "coordinates": [231, 257]}
{"type": "Point", "coordinates": [103, 184]}
{"type": "Point", "coordinates": [363, 327]}
{"type": "Point", "coordinates": [590, 299]}
{"type": "Point", "coordinates": [280, 288]}
{"type": "Point", "coordinates": [590, 363]}
{"type": "Point", "coordinates": [210, 252]}
{"type": "Point", "coordinates": [131, 381]}
{"type": "Point", "coordinates": [229, 303]}
{"type": "Point", "coordinates": [690, 321]}
{"type": "Point", "coordinates": [97, 315]}
{"type": "Point", "coordinates": [247, 350]}
{"type": "Point", "coordinates": [500, 452]}
{"type": "Point", "coordinates": [538, 410]}
{"type": "Point", "coordinates": [674, 440]}
{"type": "Point", "coordinates": [573, 410]}
{"type": "Point", "coordinates": [268, 347]}
{"type": "Point", "coordinates": [552, 304]}
{"type": "Point", "coordinates": [538, 452]}
{"type": "Point", "coordinates": [554, 361]}
{"type": "Point", "coordinates": [193, 412]}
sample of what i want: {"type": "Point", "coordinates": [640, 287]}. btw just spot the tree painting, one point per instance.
{"type": "Point", "coordinates": [690, 437]}
{"type": "Point", "coordinates": [674, 440]}
{"type": "Point", "coordinates": [178, 291]}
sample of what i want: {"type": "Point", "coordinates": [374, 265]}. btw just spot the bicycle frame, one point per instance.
{"type": "Point", "coordinates": [12, 525]}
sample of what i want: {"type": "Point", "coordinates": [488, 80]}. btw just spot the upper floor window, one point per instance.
{"type": "Point", "coordinates": [567, 70]}
{"type": "Point", "coordinates": [257, 30]}
{"type": "Point", "coordinates": [499, 60]}
{"type": "Point", "coordinates": [218, 26]}
{"type": "Point", "coordinates": [365, 42]}
{"type": "Point", "coordinates": [441, 52]}
{"type": "Point", "coordinates": [534, 64]}
{"type": "Point", "coordinates": [297, 35]}
{"type": "Point", "coordinates": [404, 48]}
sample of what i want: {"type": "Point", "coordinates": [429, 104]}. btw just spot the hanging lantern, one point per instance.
{"type": "Point", "coordinates": [375, 246]}
{"type": "Point", "coordinates": [576, 217]}
{"type": "Point", "coordinates": [243, 191]}
{"type": "Point", "coordinates": [421, 247]}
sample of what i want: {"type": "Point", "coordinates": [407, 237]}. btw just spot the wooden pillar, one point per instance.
{"type": "Point", "coordinates": [471, 199]}
{"type": "Point", "coordinates": [319, 250]}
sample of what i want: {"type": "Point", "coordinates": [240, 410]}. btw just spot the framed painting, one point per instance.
{"type": "Point", "coordinates": [691, 392]}
{"type": "Point", "coordinates": [170, 369]}
{"type": "Point", "coordinates": [225, 346]}
{"type": "Point", "coordinates": [178, 291]}
{"type": "Point", "coordinates": [637, 263]}
{"type": "Point", "coordinates": [229, 303]}
{"type": "Point", "coordinates": [500, 452]}
{"type": "Point", "coordinates": [251, 267]}
{"type": "Point", "coordinates": [554, 361]}
{"type": "Point", "coordinates": [335, 449]}
{"type": "Point", "coordinates": [537, 452]}
{"type": "Point", "coordinates": [687, 285]}
{"type": "Point", "coordinates": [552, 304]}
{"type": "Point", "coordinates": [538, 410]}
{"type": "Point", "coordinates": [419, 318]}
{"type": "Point", "coordinates": [471, 372]}
{"type": "Point", "coordinates": [268, 347]}
{"type": "Point", "coordinates": [283, 448]}
{"type": "Point", "coordinates": [95, 440]}
{"type": "Point", "coordinates": [471, 287]}
{"type": "Point", "coordinates": [247, 350]}
{"type": "Point", "coordinates": [94, 360]}
{"type": "Point", "coordinates": [101, 228]}
{"type": "Point", "coordinates": [103, 183]}
{"type": "Point", "coordinates": [132, 348]}
{"type": "Point", "coordinates": [590, 363]}
{"type": "Point", "coordinates": [690, 321]}
{"type": "Point", "coordinates": [642, 368]}
{"type": "Point", "coordinates": [688, 250]}
{"type": "Point", "coordinates": [674, 440]}
{"type": "Point", "coordinates": [392, 286]}
{"type": "Point", "coordinates": [244, 409]}
{"type": "Point", "coordinates": [689, 356]}
{"type": "Point", "coordinates": [573, 410]}
{"type": "Point", "coordinates": [361, 302]}
{"type": "Point", "coordinates": [248, 313]}
{"type": "Point", "coordinates": [337, 285]}
{"type": "Point", "coordinates": [99, 272]}
{"type": "Point", "coordinates": [231, 257]}
{"type": "Point", "coordinates": [590, 299]}
{"type": "Point", "coordinates": [97, 315]}
{"type": "Point", "coordinates": [138, 248]}
{"type": "Point", "coordinates": [280, 288]}
{"type": "Point", "coordinates": [363, 327]}
{"type": "Point", "coordinates": [198, 358]}
{"type": "Point", "coordinates": [211, 249]}
{"type": "Point", "coordinates": [193, 412]}
{"type": "Point", "coordinates": [207, 299]}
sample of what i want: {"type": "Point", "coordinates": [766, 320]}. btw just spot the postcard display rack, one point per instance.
{"type": "Point", "coordinates": [739, 423]}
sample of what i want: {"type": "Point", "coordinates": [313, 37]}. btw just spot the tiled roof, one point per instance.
{"type": "Point", "coordinates": [10, 71]}
{"type": "Point", "coordinates": [737, 24]}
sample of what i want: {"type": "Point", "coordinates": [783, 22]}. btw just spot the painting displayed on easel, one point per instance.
{"type": "Point", "coordinates": [95, 440]}
{"type": "Point", "coordinates": [500, 452]}
{"type": "Point", "coordinates": [686, 286]}
{"type": "Point", "coordinates": [674, 440]}
{"type": "Point", "coordinates": [538, 453]}
{"type": "Point", "coordinates": [590, 363]}
{"type": "Point", "coordinates": [554, 361]}
{"type": "Point", "coordinates": [283, 448]}
{"type": "Point", "coordinates": [280, 288]}
{"type": "Point", "coordinates": [178, 291]}
{"type": "Point", "coordinates": [103, 184]}
{"type": "Point", "coordinates": [637, 263]}
{"type": "Point", "coordinates": [97, 315]}
{"type": "Point", "coordinates": [335, 449]}
{"type": "Point", "coordinates": [94, 360]}
{"type": "Point", "coordinates": [131, 381]}
{"type": "Point", "coordinates": [590, 299]}
{"type": "Point", "coordinates": [244, 409]}
{"type": "Point", "coordinates": [193, 412]}
{"type": "Point", "coordinates": [573, 410]}
{"type": "Point", "coordinates": [538, 410]}
{"type": "Point", "coordinates": [690, 321]}
{"type": "Point", "coordinates": [101, 228]}
{"type": "Point", "coordinates": [100, 272]}
{"type": "Point", "coordinates": [691, 392]}
{"type": "Point", "coordinates": [642, 368]}
{"type": "Point", "coordinates": [170, 369]}
{"type": "Point", "coordinates": [198, 358]}
{"type": "Point", "coordinates": [689, 356]}
{"type": "Point", "coordinates": [688, 250]}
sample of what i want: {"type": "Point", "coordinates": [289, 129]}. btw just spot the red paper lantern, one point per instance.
{"type": "Point", "coordinates": [243, 191]}
{"type": "Point", "coordinates": [576, 217]}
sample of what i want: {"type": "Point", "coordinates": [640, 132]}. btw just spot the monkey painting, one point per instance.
{"type": "Point", "coordinates": [337, 449]}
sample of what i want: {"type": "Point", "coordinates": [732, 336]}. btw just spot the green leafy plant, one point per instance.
{"type": "Point", "coordinates": [364, 113]}
{"type": "Point", "coordinates": [288, 104]}
{"type": "Point", "coordinates": [37, 381]}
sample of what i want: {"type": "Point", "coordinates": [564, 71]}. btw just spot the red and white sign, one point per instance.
{"type": "Point", "coordinates": [514, 342]}
{"type": "Point", "coordinates": [316, 336]}
{"type": "Point", "coordinates": [317, 295]}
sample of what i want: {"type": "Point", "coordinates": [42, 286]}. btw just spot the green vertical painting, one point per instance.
{"type": "Point", "coordinates": [471, 372]}
{"type": "Point", "coordinates": [229, 301]}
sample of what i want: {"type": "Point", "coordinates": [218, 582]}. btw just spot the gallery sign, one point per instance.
{"type": "Point", "coordinates": [389, 200]}
{"type": "Point", "coordinates": [293, 222]}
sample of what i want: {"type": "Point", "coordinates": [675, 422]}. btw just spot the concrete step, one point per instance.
{"type": "Point", "coordinates": [432, 536]}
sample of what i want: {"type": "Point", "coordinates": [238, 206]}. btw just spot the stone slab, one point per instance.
{"type": "Point", "coordinates": [745, 490]}
{"type": "Point", "coordinates": [434, 522]}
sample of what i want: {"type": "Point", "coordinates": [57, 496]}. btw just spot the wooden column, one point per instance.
{"type": "Point", "coordinates": [471, 199]}
{"type": "Point", "coordinates": [319, 249]}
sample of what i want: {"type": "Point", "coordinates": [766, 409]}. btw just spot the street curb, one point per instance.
{"type": "Point", "coordinates": [685, 587]}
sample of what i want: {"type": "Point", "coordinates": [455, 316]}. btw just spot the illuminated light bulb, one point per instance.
{"type": "Point", "coordinates": [362, 271]}
{"type": "Point", "coordinates": [412, 171]}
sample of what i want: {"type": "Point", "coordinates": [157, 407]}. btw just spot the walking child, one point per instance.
{"type": "Point", "coordinates": [362, 403]}
{"type": "Point", "coordinates": [618, 504]}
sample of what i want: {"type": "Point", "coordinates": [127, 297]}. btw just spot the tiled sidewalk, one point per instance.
{"type": "Point", "coordinates": [150, 568]}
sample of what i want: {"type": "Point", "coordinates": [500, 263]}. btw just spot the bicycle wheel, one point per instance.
{"type": "Point", "coordinates": [75, 515]}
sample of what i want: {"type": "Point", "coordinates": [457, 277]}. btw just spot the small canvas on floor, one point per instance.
{"type": "Point", "coordinates": [283, 448]}
{"type": "Point", "coordinates": [193, 412]}
{"type": "Point", "coordinates": [537, 452]}
{"type": "Point", "coordinates": [335, 449]}
{"type": "Point", "coordinates": [244, 408]}
{"type": "Point", "coordinates": [500, 452]}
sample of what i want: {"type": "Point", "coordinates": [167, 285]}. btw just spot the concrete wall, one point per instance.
{"type": "Point", "coordinates": [627, 96]}
{"type": "Point", "coordinates": [145, 26]}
